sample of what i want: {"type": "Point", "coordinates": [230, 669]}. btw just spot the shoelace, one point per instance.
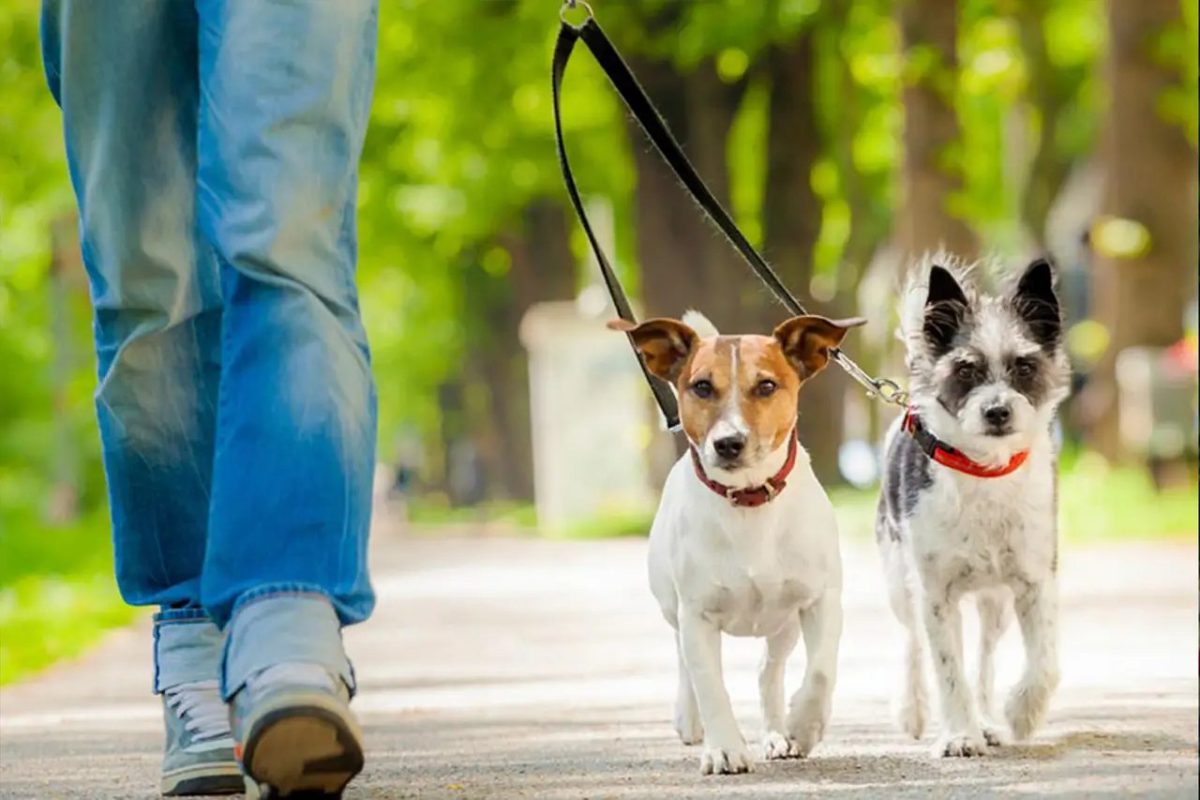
{"type": "Point", "coordinates": [201, 708]}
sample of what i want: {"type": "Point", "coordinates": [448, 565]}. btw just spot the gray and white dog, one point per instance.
{"type": "Point", "coordinates": [969, 496]}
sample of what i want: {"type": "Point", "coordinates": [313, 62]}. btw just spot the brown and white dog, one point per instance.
{"type": "Point", "coordinates": [745, 541]}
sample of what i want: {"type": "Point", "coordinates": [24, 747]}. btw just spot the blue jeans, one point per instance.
{"type": "Point", "coordinates": [213, 148]}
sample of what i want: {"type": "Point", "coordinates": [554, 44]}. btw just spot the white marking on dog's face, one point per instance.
{"type": "Point", "coordinates": [731, 424]}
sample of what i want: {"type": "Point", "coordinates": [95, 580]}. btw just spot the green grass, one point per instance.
{"type": "Point", "coordinates": [57, 592]}
{"type": "Point", "coordinates": [435, 512]}
{"type": "Point", "coordinates": [1097, 502]}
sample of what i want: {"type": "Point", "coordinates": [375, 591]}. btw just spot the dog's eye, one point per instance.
{"type": "Point", "coordinates": [1024, 368]}
{"type": "Point", "coordinates": [765, 388]}
{"type": "Point", "coordinates": [702, 389]}
{"type": "Point", "coordinates": [966, 372]}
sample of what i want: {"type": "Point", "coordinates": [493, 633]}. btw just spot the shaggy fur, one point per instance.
{"type": "Point", "coordinates": [987, 373]}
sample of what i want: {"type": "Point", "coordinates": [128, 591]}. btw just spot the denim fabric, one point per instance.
{"type": "Point", "coordinates": [213, 149]}
{"type": "Point", "coordinates": [282, 624]}
{"type": "Point", "coordinates": [187, 649]}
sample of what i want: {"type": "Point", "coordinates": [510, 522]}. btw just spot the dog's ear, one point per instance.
{"type": "Point", "coordinates": [665, 344]}
{"type": "Point", "coordinates": [1036, 303]}
{"type": "Point", "coordinates": [945, 309]}
{"type": "Point", "coordinates": [806, 340]}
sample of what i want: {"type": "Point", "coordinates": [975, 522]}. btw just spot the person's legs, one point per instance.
{"type": "Point", "coordinates": [285, 93]}
{"type": "Point", "coordinates": [125, 74]}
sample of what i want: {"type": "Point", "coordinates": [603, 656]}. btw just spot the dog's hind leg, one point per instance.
{"type": "Point", "coordinates": [770, 688]}
{"type": "Point", "coordinates": [687, 712]}
{"type": "Point", "coordinates": [912, 702]}
{"type": "Point", "coordinates": [811, 705]}
{"type": "Point", "coordinates": [995, 614]}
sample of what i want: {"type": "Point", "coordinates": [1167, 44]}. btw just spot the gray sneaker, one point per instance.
{"type": "Point", "coordinates": [199, 756]}
{"type": "Point", "coordinates": [295, 732]}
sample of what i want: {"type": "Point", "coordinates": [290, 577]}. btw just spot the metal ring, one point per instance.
{"type": "Point", "coordinates": [571, 5]}
{"type": "Point", "coordinates": [890, 392]}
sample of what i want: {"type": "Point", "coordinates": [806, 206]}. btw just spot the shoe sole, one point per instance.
{"type": "Point", "coordinates": [203, 779]}
{"type": "Point", "coordinates": [310, 749]}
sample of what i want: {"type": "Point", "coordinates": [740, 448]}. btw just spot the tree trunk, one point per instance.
{"type": "Point", "coordinates": [1049, 94]}
{"type": "Point", "coordinates": [792, 223]}
{"type": "Point", "coordinates": [541, 268]}
{"type": "Point", "coordinates": [685, 262]}
{"type": "Point", "coordinates": [1150, 179]}
{"type": "Point", "coordinates": [925, 221]}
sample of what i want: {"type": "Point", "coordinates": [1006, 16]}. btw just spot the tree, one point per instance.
{"type": "Point", "coordinates": [932, 173]}
{"type": "Point", "coordinates": [1146, 240]}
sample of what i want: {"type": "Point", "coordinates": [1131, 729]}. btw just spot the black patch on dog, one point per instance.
{"type": "Point", "coordinates": [907, 475]}
{"type": "Point", "coordinates": [966, 375]}
{"type": "Point", "coordinates": [1037, 305]}
{"type": "Point", "coordinates": [1029, 376]}
{"type": "Point", "coordinates": [945, 311]}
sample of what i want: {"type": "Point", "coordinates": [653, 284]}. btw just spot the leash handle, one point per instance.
{"type": "Point", "coordinates": [652, 124]}
{"type": "Point", "coordinates": [663, 394]}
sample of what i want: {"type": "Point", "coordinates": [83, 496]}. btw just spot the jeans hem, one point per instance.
{"type": "Point", "coordinates": [265, 592]}
{"type": "Point", "coordinates": [169, 616]}
{"type": "Point", "coordinates": [187, 648]}
{"type": "Point", "coordinates": [285, 622]}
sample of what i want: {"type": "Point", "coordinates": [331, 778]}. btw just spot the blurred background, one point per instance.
{"type": "Point", "coordinates": [844, 136]}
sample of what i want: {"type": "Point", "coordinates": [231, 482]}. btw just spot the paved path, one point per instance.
{"type": "Point", "coordinates": [535, 669]}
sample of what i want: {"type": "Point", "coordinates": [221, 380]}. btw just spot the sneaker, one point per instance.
{"type": "Point", "coordinates": [199, 757]}
{"type": "Point", "coordinates": [295, 733]}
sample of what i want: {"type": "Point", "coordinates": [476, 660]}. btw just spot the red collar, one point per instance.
{"type": "Point", "coordinates": [947, 456]}
{"type": "Point", "coordinates": [751, 495]}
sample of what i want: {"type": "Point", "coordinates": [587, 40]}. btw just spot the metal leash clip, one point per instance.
{"type": "Point", "coordinates": [884, 389]}
{"type": "Point", "coordinates": [889, 391]}
{"type": "Point", "coordinates": [571, 5]}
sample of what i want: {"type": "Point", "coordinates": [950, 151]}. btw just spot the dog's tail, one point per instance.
{"type": "Point", "coordinates": [699, 323]}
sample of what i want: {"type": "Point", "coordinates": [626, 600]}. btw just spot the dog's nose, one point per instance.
{"type": "Point", "coordinates": [730, 447]}
{"type": "Point", "coordinates": [997, 416]}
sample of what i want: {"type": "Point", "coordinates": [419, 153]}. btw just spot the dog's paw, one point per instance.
{"type": "Point", "coordinates": [910, 718]}
{"type": "Point", "coordinates": [1026, 707]}
{"type": "Point", "coordinates": [993, 735]}
{"type": "Point", "coordinates": [776, 746]}
{"type": "Point", "coordinates": [718, 760]}
{"type": "Point", "coordinates": [688, 726]}
{"type": "Point", "coordinates": [806, 725]}
{"type": "Point", "coordinates": [960, 745]}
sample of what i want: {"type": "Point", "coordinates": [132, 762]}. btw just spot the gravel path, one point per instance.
{"type": "Point", "coordinates": [536, 669]}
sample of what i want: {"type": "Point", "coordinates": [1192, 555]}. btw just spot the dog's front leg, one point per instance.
{"type": "Point", "coordinates": [813, 702]}
{"type": "Point", "coordinates": [1037, 611]}
{"type": "Point", "coordinates": [724, 748]}
{"type": "Point", "coordinates": [776, 742]}
{"type": "Point", "coordinates": [687, 713]}
{"type": "Point", "coordinates": [961, 733]}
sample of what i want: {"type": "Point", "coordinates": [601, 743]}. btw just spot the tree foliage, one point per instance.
{"type": "Point", "coordinates": [461, 207]}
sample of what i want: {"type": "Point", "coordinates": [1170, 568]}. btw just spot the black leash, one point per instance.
{"type": "Point", "coordinates": [647, 116]}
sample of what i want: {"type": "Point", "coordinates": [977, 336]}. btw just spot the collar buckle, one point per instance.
{"type": "Point", "coordinates": [751, 495]}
